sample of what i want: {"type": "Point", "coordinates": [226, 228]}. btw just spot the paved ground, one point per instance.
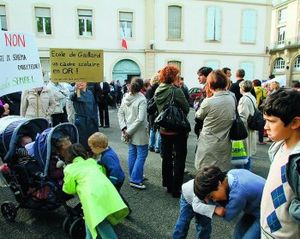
{"type": "Point", "coordinates": [154, 211]}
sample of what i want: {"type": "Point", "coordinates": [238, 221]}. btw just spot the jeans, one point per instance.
{"type": "Point", "coordinates": [104, 229]}
{"type": "Point", "coordinates": [137, 155]}
{"type": "Point", "coordinates": [154, 139]}
{"type": "Point", "coordinates": [248, 227]}
{"type": "Point", "coordinates": [173, 153]}
{"type": "Point", "coordinates": [203, 223]}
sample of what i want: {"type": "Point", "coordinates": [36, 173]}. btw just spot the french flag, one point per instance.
{"type": "Point", "coordinates": [124, 43]}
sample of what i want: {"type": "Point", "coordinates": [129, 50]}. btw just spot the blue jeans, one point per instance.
{"type": "Point", "coordinates": [248, 227]}
{"type": "Point", "coordinates": [154, 139]}
{"type": "Point", "coordinates": [137, 155]}
{"type": "Point", "coordinates": [186, 214]}
{"type": "Point", "coordinates": [104, 229]}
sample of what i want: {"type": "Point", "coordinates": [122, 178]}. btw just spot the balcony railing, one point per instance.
{"type": "Point", "coordinates": [285, 44]}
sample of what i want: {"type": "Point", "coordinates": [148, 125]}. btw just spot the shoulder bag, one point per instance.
{"type": "Point", "coordinates": [255, 121]}
{"type": "Point", "coordinates": [238, 130]}
{"type": "Point", "coordinates": [172, 117]}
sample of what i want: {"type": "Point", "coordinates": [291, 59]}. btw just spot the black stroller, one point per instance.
{"type": "Point", "coordinates": [28, 174]}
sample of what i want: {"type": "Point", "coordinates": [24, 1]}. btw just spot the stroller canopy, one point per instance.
{"type": "Point", "coordinates": [43, 143]}
{"type": "Point", "coordinates": [12, 128]}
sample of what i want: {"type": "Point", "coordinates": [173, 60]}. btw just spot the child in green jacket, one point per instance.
{"type": "Point", "coordinates": [101, 203]}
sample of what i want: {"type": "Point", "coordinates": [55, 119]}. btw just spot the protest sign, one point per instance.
{"type": "Point", "coordinates": [76, 65]}
{"type": "Point", "coordinates": [20, 65]}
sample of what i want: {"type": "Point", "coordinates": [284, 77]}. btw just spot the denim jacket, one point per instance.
{"type": "Point", "coordinates": [293, 176]}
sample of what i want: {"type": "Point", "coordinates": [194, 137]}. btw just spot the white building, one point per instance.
{"type": "Point", "coordinates": [189, 33]}
{"type": "Point", "coordinates": [285, 40]}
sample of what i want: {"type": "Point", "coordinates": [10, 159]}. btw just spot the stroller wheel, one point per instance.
{"type": "Point", "coordinates": [77, 229]}
{"type": "Point", "coordinates": [9, 211]}
{"type": "Point", "coordinates": [66, 224]}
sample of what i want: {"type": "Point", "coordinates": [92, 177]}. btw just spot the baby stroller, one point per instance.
{"type": "Point", "coordinates": [27, 175]}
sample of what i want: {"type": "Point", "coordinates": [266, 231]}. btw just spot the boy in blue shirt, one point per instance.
{"type": "Point", "coordinates": [280, 205]}
{"type": "Point", "coordinates": [107, 157]}
{"type": "Point", "coordinates": [239, 188]}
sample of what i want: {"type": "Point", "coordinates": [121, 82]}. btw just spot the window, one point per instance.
{"type": "Point", "coordinates": [249, 70]}
{"type": "Point", "coordinates": [43, 20]}
{"type": "Point", "coordinates": [3, 23]}
{"type": "Point", "coordinates": [175, 63]}
{"type": "Point", "coordinates": [279, 64]}
{"type": "Point", "coordinates": [174, 22]}
{"type": "Point", "coordinates": [281, 35]}
{"type": "Point", "coordinates": [126, 19]}
{"type": "Point", "coordinates": [297, 64]}
{"type": "Point", "coordinates": [249, 26]}
{"type": "Point", "coordinates": [213, 27]}
{"type": "Point", "coordinates": [85, 21]}
{"type": "Point", "coordinates": [282, 15]}
{"type": "Point", "coordinates": [212, 64]}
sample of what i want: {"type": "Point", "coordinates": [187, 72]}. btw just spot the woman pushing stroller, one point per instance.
{"type": "Point", "coordinates": [101, 203]}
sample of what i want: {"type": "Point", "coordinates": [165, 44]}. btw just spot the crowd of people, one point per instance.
{"type": "Point", "coordinates": [219, 187]}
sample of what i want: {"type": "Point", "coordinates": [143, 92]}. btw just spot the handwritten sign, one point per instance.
{"type": "Point", "coordinates": [76, 65]}
{"type": "Point", "coordinates": [20, 65]}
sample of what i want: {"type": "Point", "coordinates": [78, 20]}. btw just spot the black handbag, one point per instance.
{"type": "Point", "coordinates": [172, 117]}
{"type": "Point", "coordinates": [238, 130]}
{"type": "Point", "coordinates": [255, 121]}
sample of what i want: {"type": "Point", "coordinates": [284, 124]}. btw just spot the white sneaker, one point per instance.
{"type": "Point", "coordinates": [137, 185]}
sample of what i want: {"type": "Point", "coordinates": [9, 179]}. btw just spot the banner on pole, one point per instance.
{"type": "Point", "coordinates": [20, 65]}
{"type": "Point", "coordinates": [76, 65]}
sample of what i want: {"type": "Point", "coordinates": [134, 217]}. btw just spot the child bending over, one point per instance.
{"type": "Point", "coordinates": [102, 206]}
{"type": "Point", "coordinates": [242, 191]}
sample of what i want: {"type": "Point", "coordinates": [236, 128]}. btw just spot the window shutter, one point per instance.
{"type": "Point", "coordinates": [249, 26]}
{"type": "Point", "coordinates": [213, 28]}
{"type": "Point", "coordinates": [174, 22]}
{"type": "Point", "coordinates": [87, 13]}
{"type": "Point", "coordinates": [42, 12]}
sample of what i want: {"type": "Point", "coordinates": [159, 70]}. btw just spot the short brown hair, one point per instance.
{"type": "Point", "coordinates": [217, 80]}
{"type": "Point", "coordinates": [98, 140]}
{"type": "Point", "coordinates": [168, 74]}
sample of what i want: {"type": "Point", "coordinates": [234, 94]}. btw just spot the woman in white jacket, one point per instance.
{"type": "Point", "coordinates": [245, 109]}
{"type": "Point", "coordinates": [132, 117]}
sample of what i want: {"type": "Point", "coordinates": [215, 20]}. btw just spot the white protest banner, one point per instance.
{"type": "Point", "coordinates": [20, 65]}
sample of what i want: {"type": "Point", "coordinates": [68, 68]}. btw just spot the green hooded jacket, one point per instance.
{"type": "Point", "coordinates": [98, 196]}
{"type": "Point", "coordinates": [163, 96]}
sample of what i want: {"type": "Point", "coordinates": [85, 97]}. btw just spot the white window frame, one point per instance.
{"type": "Point", "coordinates": [282, 15]}
{"type": "Point", "coordinates": [247, 26]}
{"type": "Point", "coordinates": [215, 35]}
{"type": "Point", "coordinates": [3, 17]}
{"type": "Point", "coordinates": [296, 66]}
{"type": "Point", "coordinates": [43, 16]}
{"type": "Point", "coordinates": [174, 36]}
{"type": "Point", "coordinates": [126, 25]}
{"type": "Point", "coordinates": [281, 35]}
{"type": "Point", "coordinates": [279, 64]}
{"type": "Point", "coordinates": [85, 15]}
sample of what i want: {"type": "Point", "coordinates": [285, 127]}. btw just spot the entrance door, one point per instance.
{"type": "Point", "coordinates": [124, 69]}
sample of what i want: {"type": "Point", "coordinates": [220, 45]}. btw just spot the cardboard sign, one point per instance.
{"type": "Point", "coordinates": [20, 65]}
{"type": "Point", "coordinates": [76, 65]}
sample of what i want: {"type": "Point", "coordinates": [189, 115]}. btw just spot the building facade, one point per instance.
{"type": "Point", "coordinates": [187, 33]}
{"type": "Point", "coordinates": [285, 40]}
